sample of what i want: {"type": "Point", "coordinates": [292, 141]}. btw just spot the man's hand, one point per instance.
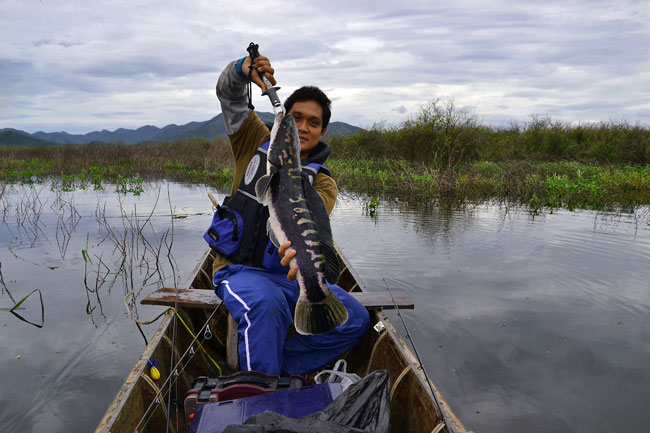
{"type": "Point", "coordinates": [261, 66]}
{"type": "Point", "coordinates": [286, 254]}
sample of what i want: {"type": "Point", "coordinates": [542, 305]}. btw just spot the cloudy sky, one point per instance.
{"type": "Point", "coordinates": [80, 66]}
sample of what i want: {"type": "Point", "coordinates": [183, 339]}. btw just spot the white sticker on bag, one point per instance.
{"type": "Point", "coordinates": [251, 169]}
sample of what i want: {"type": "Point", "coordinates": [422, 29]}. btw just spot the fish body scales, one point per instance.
{"type": "Point", "coordinates": [294, 220]}
{"type": "Point", "coordinates": [295, 210]}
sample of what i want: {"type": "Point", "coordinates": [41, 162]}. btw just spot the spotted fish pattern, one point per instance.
{"type": "Point", "coordinates": [298, 214]}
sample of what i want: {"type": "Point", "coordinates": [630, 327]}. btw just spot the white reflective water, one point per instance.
{"type": "Point", "coordinates": [525, 324]}
{"type": "Point", "coordinates": [69, 370]}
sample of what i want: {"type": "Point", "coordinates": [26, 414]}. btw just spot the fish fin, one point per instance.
{"type": "Point", "coordinates": [319, 317]}
{"type": "Point", "coordinates": [332, 265]}
{"type": "Point", "coordinates": [271, 233]}
{"type": "Point", "coordinates": [263, 184]}
{"type": "Point", "coordinates": [322, 221]}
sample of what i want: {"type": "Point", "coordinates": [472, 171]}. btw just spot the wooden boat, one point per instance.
{"type": "Point", "coordinates": [141, 406]}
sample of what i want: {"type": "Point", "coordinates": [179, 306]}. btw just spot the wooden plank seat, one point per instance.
{"type": "Point", "coordinates": [193, 298]}
{"type": "Point", "coordinates": [196, 298]}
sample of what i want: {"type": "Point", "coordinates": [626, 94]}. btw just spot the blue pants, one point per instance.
{"type": "Point", "coordinates": [262, 303]}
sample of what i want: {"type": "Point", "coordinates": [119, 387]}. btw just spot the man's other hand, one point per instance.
{"type": "Point", "coordinates": [286, 254]}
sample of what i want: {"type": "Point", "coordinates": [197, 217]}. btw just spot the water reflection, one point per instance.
{"type": "Point", "coordinates": [67, 220]}
{"type": "Point", "coordinates": [525, 323]}
{"type": "Point", "coordinates": [85, 252]}
{"type": "Point", "coordinates": [25, 212]}
{"type": "Point", "coordinates": [126, 247]}
{"type": "Point", "coordinates": [142, 252]}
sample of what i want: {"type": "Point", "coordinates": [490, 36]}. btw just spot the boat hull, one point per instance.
{"type": "Point", "coordinates": [140, 406]}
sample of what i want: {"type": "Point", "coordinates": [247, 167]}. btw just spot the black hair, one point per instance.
{"type": "Point", "coordinates": [311, 93]}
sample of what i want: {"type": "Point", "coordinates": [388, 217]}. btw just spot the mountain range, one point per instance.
{"type": "Point", "coordinates": [207, 129]}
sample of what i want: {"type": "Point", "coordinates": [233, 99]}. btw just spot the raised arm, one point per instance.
{"type": "Point", "coordinates": [232, 91]}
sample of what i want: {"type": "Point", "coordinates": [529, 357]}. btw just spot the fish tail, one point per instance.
{"type": "Point", "coordinates": [319, 317]}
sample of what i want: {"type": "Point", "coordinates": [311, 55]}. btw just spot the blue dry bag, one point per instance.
{"type": "Point", "coordinates": [225, 232]}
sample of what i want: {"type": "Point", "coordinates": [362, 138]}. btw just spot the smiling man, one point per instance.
{"type": "Point", "coordinates": [252, 277]}
{"type": "Point", "coordinates": [309, 117]}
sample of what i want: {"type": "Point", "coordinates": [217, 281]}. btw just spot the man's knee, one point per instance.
{"type": "Point", "coordinates": [358, 317]}
{"type": "Point", "coordinates": [364, 320]}
{"type": "Point", "coordinates": [359, 322]}
{"type": "Point", "coordinates": [269, 302]}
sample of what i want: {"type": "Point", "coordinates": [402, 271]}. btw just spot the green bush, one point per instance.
{"type": "Point", "coordinates": [445, 137]}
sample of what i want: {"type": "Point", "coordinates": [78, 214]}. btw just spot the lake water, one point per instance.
{"type": "Point", "coordinates": [525, 324]}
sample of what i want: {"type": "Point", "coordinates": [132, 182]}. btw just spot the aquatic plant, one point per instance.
{"type": "Point", "coordinates": [440, 152]}
{"type": "Point", "coordinates": [14, 310]}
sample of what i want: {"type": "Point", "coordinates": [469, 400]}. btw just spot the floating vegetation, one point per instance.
{"type": "Point", "coordinates": [537, 185]}
{"type": "Point", "coordinates": [370, 207]}
{"type": "Point", "coordinates": [131, 185]}
{"type": "Point", "coordinates": [25, 172]}
{"type": "Point", "coordinates": [99, 179]}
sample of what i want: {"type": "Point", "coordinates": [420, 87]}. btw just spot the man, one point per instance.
{"type": "Point", "coordinates": [254, 282]}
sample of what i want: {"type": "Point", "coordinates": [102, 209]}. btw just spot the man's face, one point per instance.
{"type": "Point", "coordinates": [309, 119]}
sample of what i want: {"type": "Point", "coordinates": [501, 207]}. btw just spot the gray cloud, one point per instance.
{"type": "Point", "coordinates": [116, 113]}
{"type": "Point", "coordinates": [89, 69]}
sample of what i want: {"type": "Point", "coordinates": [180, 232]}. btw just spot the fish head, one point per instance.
{"type": "Point", "coordinates": [284, 147]}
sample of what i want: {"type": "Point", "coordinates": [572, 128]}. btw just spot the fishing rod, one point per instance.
{"type": "Point", "coordinates": [271, 91]}
{"type": "Point", "coordinates": [426, 376]}
{"type": "Point", "coordinates": [173, 370]}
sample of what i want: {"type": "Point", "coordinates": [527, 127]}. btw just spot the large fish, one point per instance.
{"type": "Point", "coordinates": [298, 214]}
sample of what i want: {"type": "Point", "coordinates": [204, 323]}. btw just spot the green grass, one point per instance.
{"type": "Point", "coordinates": [536, 184]}
{"type": "Point", "coordinates": [441, 152]}
{"type": "Point", "coordinates": [123, 167]}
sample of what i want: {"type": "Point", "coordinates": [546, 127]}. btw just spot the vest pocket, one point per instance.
{"type": "Point", "coordinates": [225, 232]}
